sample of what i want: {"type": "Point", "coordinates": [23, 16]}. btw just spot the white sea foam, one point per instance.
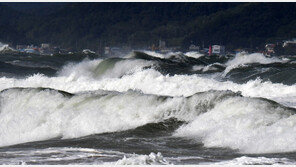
{"type": "Point", "coordinates": [153, 82]}
{"type": "Point", "coordinates": [194, 54]}
{"type": "Point", "coordinates": [247, 124]}
{"type": "Point", "coordinates": [155, 54]}
{"type": "Point", "coordinates": [216, 118]}
{"type": "Point", "coordinates": [4, 47]}
{"type": "Point", "coordinates": [48, 115]}
{"type": "Point", "coordinates": [32, 114]}
{"type": "Point", "coordinates": [99, 69]}
{"type": "Point", "coordinates": [162, 55]}
{"type": "Point", "coordinates": [58, 155]}
{"type": "Point", "coordinates": [244, 160]}
{"type": "Point", "coordinates": [197, 67]}
{"type": "Point", "coordinates": [151, 159]}
{"type": "Point", "coordinates": [244, 59]}
{"type": "Point", "coordinates": [212, 67]}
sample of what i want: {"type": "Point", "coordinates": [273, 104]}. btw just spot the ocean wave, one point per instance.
{"type": "Point", "coordinates": [150, 81]}
{"type": "Point", "coordinates": [249, 66]}
{"type": "Point", "coordinates": [4, 47]}
{"type": "Point", "coordinates": [241, 59]}
{"type": "Point", "coordinates": [161, 55]}
{"type": "Point", "coordinates": [151, 159]}
{"type": "Point", "coordinates": [193, 54]}
{"type": "Point", "coordinates": [249, 125]}
{"type": "Point", "coordinates": [215, 118]}
{"type": "Point", "coordinates": [245, 160]}
{"type": "Point", "coordinates": [16, 70]}
{"type": "Point", "coordinates": [59, 155]}
{"type": "Point", "coordinates": [34, 114]}
{"type": "Point", "coordinates": [107, 68]}
{"type": "Point", "coordinates": [215, 67]}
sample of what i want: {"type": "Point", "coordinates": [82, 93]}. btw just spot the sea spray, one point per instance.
{"type": "Point", "coordinates": [245, 124]}
{"type": "Point", "coordinates": [34, 114]}
{"type": "Point", "coordinates": [241, 59]}
{"type": "Point", "coordinates": [107, 68]}
{"type": "Point", "coordinates": [215, 118]}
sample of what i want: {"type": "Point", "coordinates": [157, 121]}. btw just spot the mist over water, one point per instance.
{"type": "Point", "coordinates": [147, 108]}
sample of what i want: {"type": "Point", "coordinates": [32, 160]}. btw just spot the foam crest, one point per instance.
{"type": "Point", "coordinates": [83, 69]}
{"type": "Point", "coordinates": [216, 118]}
{"type": "Point", "coordinates": [29, 114]}
{"type": "Point", "coordinates": [125, 67]}
{"type": "Point", "coordinates": [151, 159]}
{"type": "Point", "coordinates": [150, 81]}
{"type": "Point", "coordinates": [244, 160]}
{"type": "Point", "coordinates": [193, 54]}
{"type": "Point", "coordinates": [242, 59]}
{"type": "Point", "coordinates": [107, 68]}
{"type": "Point", "coordinates": [164, 55]}
{"type": "Point", "coordinates": [213, 67]}
{"type": "Point", "coordinates": [4, 47]}
{"type": "Point", "coordinates": [249, 125]}
{"type": "Point", "coordinates": [58, 155]}
{"type": "Point", "coordinates": [155, 54]}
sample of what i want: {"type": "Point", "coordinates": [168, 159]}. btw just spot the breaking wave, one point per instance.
{"type": "Point", "coordinates": [4, 47]}
{"type": "Point", "coordinates": [151, 159]}
{"type": "Point", "coordinates": [195, 55]}
{"type": "Point", "coordinates": [107, 68]}
{"type": "Point", "coordinates": [118, 94]}
{"type": "Point", "coordinates": [246, 124]}
{"type": "Point", "coordinates": [244, 160]}
{"type": "Point", "coordinates": [150, 81]}
{"type": "Point", "coordinates": [215, 118]}
{"type": "Point", "coordinates": [34, 114]}
{"type": "Point", "coordinates": [58, 155]}
{"type": "Point", "coordinates": [242, 59]}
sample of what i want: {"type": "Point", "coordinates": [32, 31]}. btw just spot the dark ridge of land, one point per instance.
{"type": "Point", "coordinates": [90, 25]}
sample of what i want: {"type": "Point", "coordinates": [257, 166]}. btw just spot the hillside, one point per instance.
{"type": "Point", "coordinates": [92, 25]}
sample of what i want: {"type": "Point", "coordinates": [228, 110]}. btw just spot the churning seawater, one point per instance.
{"type": "Point", "coordinates": [147, 108]}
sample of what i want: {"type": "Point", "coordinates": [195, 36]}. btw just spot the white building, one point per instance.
{"type": "Point", "coordinates": [194, 48]}
{"type": "Point", "coordinates": [162, 44]}
{"type": "Point", "coordinates": [291, 42]}
{"type": "Point", "coordinates": [45, 46]}
{"type": "Point", "coordinates": [107, 50]}
{"type": "Point", "coordinates": [218, 49]}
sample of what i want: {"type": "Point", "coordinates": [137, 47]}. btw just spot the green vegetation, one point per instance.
{"type": "Point", "coordinates": [90, 25]}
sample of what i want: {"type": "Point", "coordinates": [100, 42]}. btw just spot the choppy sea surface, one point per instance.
{"type": "Point", "coordinates": [147, 108]}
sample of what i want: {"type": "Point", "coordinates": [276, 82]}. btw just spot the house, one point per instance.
{"type": "Point", "coordinates": [193, 47]}
{"type": "Point", "coordinates": [45, 49]}
{"type": "Point", "coordinates": [112, 51]}
{"type": "Point", "coordinates": [289, 43]}
{"type": "Point", "coordinates": [107, 50]}
{"type": "Point", "coordinates": [45, 46]}
{"type": "Point", "coordinates": [218, 49]}
{"type": "Point", "coordinates": [289, 47]}
{"type": "Point", "coordinates": [162, 44]}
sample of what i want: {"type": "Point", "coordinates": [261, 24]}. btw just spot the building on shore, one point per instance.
{"type": "Point", "coordinates": [193, 47]}
{"type": "Point", "coordinates": [161, 45]}
{"type": "Point", "coordinates": [218, 49]}
{"type": "Point", "coordinates": [289, 43]}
